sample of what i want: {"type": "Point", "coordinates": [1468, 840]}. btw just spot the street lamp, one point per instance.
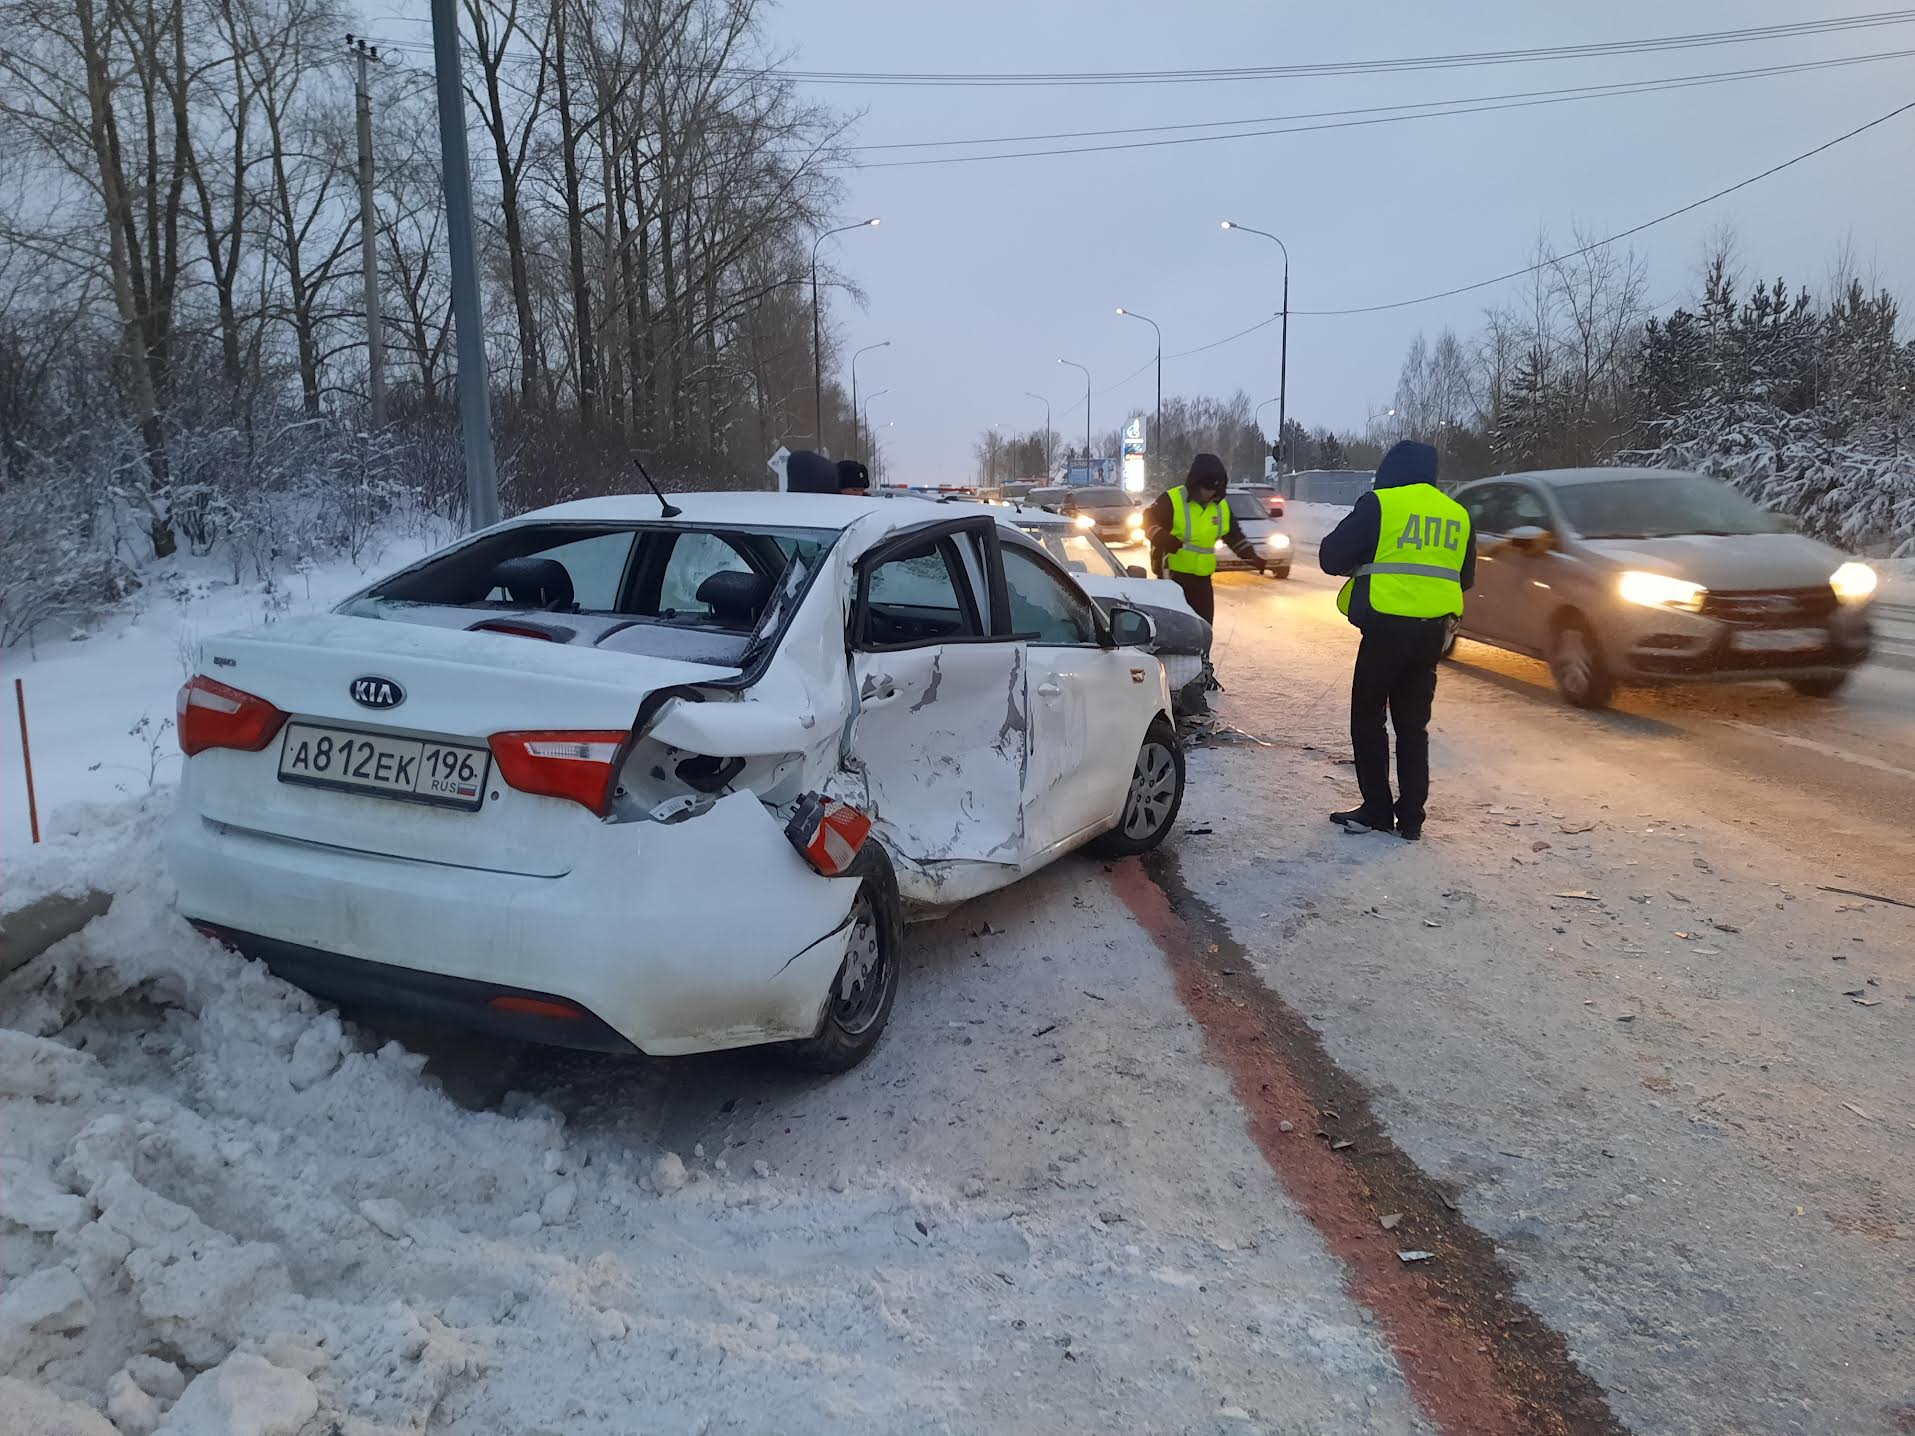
{"type": "Point", "coordinates": [856, 427]}
{"type": "Point", "coordinates": [1031, 394]}
{"type": "Point", "coordinates": [1075, 365]}
{"type": "Point", "coordinates": [1283, 372]}
{"type": "Point", "coordinates": [817, 341]}
{"type": "Point", "coordinates": [1157, 419]}
{"type": "Point", "coordinates": [865, 421]}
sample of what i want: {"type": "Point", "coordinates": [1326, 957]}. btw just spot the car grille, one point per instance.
{"type": "Point", "coordinates": [1772, 608]}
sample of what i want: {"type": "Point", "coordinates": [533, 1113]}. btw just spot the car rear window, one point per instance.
{"type": "Point", "coordinates": [612, 583]}
{"type": "Point", "coordinates": [1103, 499]}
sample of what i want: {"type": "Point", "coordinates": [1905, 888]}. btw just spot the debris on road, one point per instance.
{"type": "Point", "coordinates": [1581, 895]}
{"type": "Point", "coordinates": [1407, 1257]}
{"type": "Point", "coordinates": [1389, 1223]}
{"type": "Point", "coordinates": [1573, 828]}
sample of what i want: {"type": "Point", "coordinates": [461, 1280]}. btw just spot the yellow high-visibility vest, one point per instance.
{"type": "Point", "coordinates": [1201, 527]}
{"type": "Point", "coordinates": [1418, 568]}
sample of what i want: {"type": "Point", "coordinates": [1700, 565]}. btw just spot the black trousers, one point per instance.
{"type": "Point", "coordinates": [1198, 592]}
{"type": "Point", "coordinates": [1395, 673]}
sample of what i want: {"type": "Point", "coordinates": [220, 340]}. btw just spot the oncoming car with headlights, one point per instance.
{"type": "Point", "coordinates": [1655, 576]}
{"type": "Point", "coordinates": [628, 780]}
{"type": "Point", "coordinates": [1113, 515]}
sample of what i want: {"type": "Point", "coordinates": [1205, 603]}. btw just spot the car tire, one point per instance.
{"type": "Point", "coordinates": [1154, 797]}
{"type": "Point", "coordinates": [1576, 663]}
{"type": "Point", "coordinates": [1824, 685]}
{"type": "Point", "coordinates": [865, 987]}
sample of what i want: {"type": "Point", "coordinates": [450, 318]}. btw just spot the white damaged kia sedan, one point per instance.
{"type": "Point", "coordinates": [622, 779]}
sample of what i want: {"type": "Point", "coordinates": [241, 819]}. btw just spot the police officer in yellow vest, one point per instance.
{"type": "Point", "coordinates": [1185, 526]}
{"type": "Point", "coordinates": [1409, 555]}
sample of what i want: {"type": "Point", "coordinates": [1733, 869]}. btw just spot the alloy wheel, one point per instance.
{"type": "Point", "coordinates": [1153, 789]}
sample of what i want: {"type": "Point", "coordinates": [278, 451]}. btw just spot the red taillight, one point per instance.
{"type": "Point", "coordinates": [211, 715]}
{"type": "Point", "coordinates": [581, 766]}
{"type": "Point", "coordinates": [827, 833]}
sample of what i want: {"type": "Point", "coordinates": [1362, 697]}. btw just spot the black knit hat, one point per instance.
{"type": "Point", "coordinates": [853, 475]}
{"type": "Point", "coordinates": [1207, 468]}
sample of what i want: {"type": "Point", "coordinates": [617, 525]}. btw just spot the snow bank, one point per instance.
{"type": "Point", "coordinates": [1308, 522]}
{"type": "Point", "coordinates": [226, 1211]}
{"type": "Point", "coordinates": [100, 701]}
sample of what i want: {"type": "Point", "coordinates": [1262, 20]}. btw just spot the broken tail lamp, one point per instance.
{"type": "Point", "coordinates": [827, 833]}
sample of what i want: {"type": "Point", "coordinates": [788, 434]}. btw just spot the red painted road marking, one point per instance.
{"type": "Point", "coordinates": [1445, 1358]}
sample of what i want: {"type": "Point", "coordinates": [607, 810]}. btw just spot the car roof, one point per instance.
{"type": "Point", "coordinates": [746, 507]}
{"type": "Point", "coordinates": [1563, 478]}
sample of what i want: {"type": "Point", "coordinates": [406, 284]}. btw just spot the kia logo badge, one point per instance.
{"type": "Point", "coordinates": [374, 692]}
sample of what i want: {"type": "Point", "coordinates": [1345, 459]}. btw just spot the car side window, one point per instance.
{"type": "Point", "coordinates": [1527, 509]}
{"type": "Point", "coordinates": [918, 596]}
{"type": "Point", "coordinates": [1043, 605]}
{"type": "Point", "coordinates": [695, 557]}
{"type": "Point", "coordinates": [1488, 508]}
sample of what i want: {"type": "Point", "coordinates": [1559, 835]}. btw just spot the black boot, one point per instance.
{"type": "Point", "coordinates": [1358, 821]}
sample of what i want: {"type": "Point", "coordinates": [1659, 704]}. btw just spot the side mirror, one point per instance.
{"type": "Point", "coordinates": [1131, 627]}
{"type": "Point", "coordinates": [1136, 570]}
{"type": "Point", "coordinates": [1531, 539]}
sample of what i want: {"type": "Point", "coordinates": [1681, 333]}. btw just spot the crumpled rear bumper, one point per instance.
{"type": "Point", "coordinates": [684, 937]}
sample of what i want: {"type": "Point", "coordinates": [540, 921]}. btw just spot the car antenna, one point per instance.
{"type": "Point", "coordinates": [666, 509]}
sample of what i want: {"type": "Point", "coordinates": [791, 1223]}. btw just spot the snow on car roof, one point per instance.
{"type": "Point", "coordinates": [745, 507]}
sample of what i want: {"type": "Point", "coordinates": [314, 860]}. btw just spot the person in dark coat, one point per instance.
{"type": "Point", "coordinates": [1403, 594]}
{"type": "Point", "coordinates": [1196, 509]}
{"type": "Point", "coordinates": [853, 477]}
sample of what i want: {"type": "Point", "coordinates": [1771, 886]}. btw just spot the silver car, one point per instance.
{"type": "Point", "coordinates": [1652, 576]}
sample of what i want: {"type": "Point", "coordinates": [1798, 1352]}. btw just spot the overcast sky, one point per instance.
{"type": "Point", "coordinates": [982, 274]}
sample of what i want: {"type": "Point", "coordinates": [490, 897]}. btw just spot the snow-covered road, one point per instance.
{"type": "Point", "coordinates": [1604, 1045]}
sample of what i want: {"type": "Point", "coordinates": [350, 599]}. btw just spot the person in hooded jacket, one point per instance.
{"type": "Point", "coordinates": [1184, 527]}
{"type": "Point", "coordinates": [1409, 554]}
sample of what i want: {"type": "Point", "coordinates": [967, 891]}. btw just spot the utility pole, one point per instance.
{"type": "Point", "coordinates": [1157, 418]}
{"type": "Point", "coordinates": [1031, 394]}
{"type": "Point", "coordinates": [475, 403]}
{"type": "Point", "coordinates": [369, 239]}
{"type": "Point", "coordinates": [1088, 471]}
{"type": "Point", "coordinates": [817, 333]}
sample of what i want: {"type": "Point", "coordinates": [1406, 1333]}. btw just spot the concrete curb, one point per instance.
{"type": "Point", "coordinates": [32, 928]}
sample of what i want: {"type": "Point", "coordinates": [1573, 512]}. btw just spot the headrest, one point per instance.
{"type": "Point", "coordinates": [736, 597]}
{"type": "Point", "coordinates": [536, 582]}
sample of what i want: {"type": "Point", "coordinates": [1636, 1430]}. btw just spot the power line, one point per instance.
{"type": "Point", "coordinates": [1317, 69]}
{"type": "Point", "coordinates": [1554, 259]}
{"type": "Point", "coordinates": [1466, 60]}
{"type": "Point", "coordinates": [1435, 106]}
{"type": "Point", "coordinates": [1367, 119]}
{"type": "Point", "coordinates": [1622, 234]}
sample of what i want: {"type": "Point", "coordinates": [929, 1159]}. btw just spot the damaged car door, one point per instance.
{"type": "Point", "coordinates": [941, 734]}
{"type": "Point", "coordinates": [1078, 685]}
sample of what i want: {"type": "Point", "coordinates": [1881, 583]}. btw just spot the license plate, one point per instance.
{"type": "Point", "coordinates": [1778, 640]}
{"type": "Point", "coordinates": [415, 770]}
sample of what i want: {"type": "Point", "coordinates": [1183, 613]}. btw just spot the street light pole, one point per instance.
{"type": "Point", "coordinates": [1075, 365]}
{"type": "Point", "coordinates": [1157, 418]}
{"type": "Point", "coordinates": [1031, 394]}
{"type": "Point", "coordinates": [817, 340]}
{"type": "Point", "coordinates": [865, 421]}
{"type": "Point", "coordinates": [856, 426]}
{"type": "Point", "coordinates": [475, 405]}
{"type": "Point", "coordinates": [1283, 373]}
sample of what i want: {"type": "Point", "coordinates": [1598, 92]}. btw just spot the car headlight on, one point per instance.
{"type": "Point", "coordinates": [1085, 521]}
{"type": "Point", "coordinates": [1133, 521]}
{"type": "Point", "coordinates": [1277, 543]}
{"type": "Point", "coordinates": [1658, 590]}
{"type": "Point", "coordinates": [1854, 582]}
